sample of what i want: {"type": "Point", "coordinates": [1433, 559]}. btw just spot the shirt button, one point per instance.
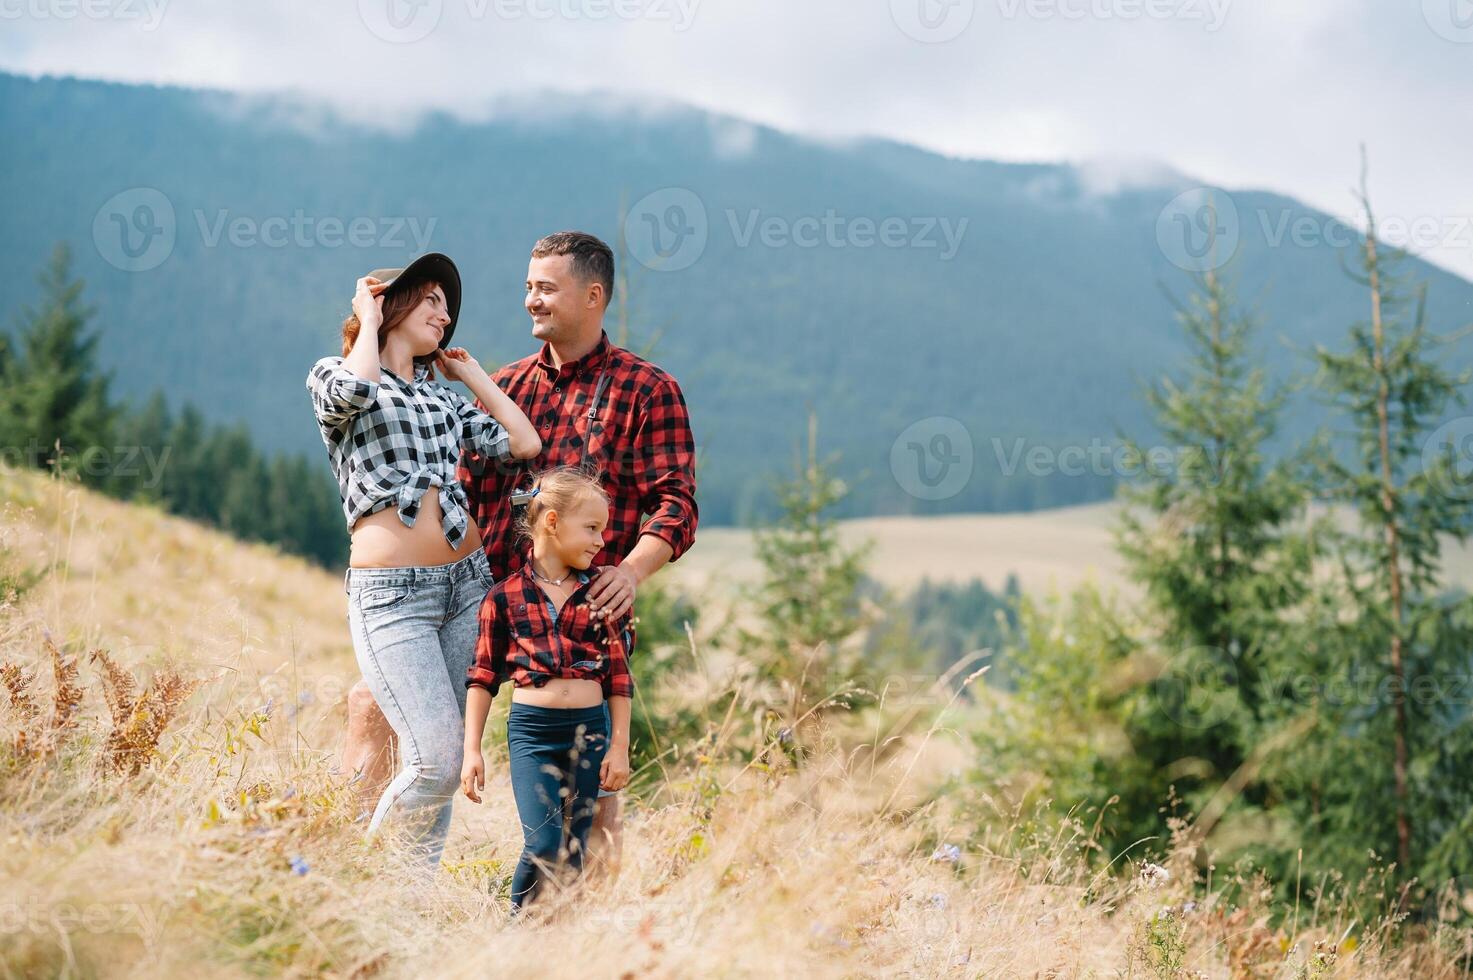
{"type": "Point", "coordinates": [558, 388]}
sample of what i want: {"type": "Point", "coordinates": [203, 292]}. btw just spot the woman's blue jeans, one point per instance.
{"type": "Point", "coordinates": [414, 631]}
{"type": "Point", "coordinates": [555, 756]}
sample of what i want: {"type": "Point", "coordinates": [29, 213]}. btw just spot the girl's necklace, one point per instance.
{"type": "Point", "coordinates": [549, 581]}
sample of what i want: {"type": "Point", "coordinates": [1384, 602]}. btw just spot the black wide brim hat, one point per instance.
{"type": "Point", "coordinates": [434, 267]}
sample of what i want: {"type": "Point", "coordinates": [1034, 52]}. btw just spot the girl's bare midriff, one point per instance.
{"type": "Point", "coordinates": [380, 540]}
{"type": "Point", "coordinates": [561, 692]}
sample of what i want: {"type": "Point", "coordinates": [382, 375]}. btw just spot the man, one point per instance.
{"type": "Point", "coordinates": [598, 405]}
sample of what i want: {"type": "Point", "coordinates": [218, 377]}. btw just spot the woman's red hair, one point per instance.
{"type": "Point", "coordinates": [396, 308]}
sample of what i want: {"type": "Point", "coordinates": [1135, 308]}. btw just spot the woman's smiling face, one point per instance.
{"type": "Point", "coordinates": [425, 325]}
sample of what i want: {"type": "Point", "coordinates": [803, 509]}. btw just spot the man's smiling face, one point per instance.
{"type": "Point", "coordinates": [559, 302]}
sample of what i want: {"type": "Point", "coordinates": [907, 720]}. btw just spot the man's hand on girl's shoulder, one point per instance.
{"type": "Point", "coordinates": [612, 593]}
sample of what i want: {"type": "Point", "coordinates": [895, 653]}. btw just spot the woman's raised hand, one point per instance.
{"type": "Point", "coordinates": [457, 364]}
{"type": "Point", "coordinates": [368, 302]}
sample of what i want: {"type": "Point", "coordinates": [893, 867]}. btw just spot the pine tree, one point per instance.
{"type": "Point", "coordinates": [188, 485]}
{"type": "Point", "coordinates": [1211, 539]}
{"type": "Point", "coordinates": [52, 394]}
{"type": "Point", "coordinates": [809, 594]}
{"type": "Point", "coordinates": [51, 391]}
{"type": "Point", "coordinates": [237, 497]}
{"type": "Point", "coordinates": [1393, 391]}
{"type": "Point", "coordinates": [143, 440]}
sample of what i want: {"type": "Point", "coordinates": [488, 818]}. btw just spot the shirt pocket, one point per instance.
{"type": "Point", "coordinates": [531, 635]}
{"type": "Point", "coordinates": [595, 441]}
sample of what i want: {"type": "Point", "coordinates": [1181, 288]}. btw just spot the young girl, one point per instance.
{"type": "Point", "coordinates": [417, 573]}
{"type": "Point", "coordinates": [536, 630]}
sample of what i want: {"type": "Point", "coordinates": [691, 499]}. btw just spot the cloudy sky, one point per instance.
{"type": "Point", "coordinates": [1274, 94]}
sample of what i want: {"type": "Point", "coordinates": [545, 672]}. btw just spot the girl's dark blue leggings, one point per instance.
{"type": "Point", "coordinates": [555, 757]}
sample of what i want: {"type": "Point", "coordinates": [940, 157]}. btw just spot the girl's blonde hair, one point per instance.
{"type": "Point", "coordinates": [559, 488]}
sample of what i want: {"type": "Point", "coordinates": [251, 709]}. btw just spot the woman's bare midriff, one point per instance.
{"type": "Point", "coordinates": [380, 540]}
{"type": "Point", "coordinates": [561, 692]}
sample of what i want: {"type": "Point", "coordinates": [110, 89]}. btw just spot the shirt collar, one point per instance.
{"type": "Point", "coordinates": [421, 371]}
{"type": "Point", "coordinates": [526, 570]}
{"type": "Point", "coordinates": [587, 363]}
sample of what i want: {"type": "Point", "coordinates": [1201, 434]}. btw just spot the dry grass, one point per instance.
{"type": "Point", "coordinates": [172, 810]}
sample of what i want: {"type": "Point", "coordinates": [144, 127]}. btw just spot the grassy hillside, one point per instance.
{"type": "Point", "coordinates": [234, 851]}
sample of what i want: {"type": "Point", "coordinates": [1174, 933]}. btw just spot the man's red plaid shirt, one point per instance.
{"type": "Point", "coordinates": [638, 437]}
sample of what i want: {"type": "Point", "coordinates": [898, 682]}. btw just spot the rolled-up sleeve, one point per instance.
{"type": "Point", "coordinates": [665, 469]}
{"type": "Point", "coordinates": [337, 393]}
{"type": "Point", "coordinates": [479, 432]}
{"type": "Point", "coordinates": [489, 666]}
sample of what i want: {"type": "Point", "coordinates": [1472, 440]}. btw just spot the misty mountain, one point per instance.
{"type": "Point", "coordinates": [1016, 306]}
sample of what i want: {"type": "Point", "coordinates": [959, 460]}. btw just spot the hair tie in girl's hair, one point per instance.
{"type": "Point", "coordinates": [535, 491]}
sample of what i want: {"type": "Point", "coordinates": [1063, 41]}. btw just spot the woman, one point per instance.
{"type": "Point", "coordinates": [416, 574]}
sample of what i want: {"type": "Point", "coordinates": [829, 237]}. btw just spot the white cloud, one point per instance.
{"type": "Point", "coordinates": [732, 139]}
{"type": "Point", "coordinates": [1278, 96]}
{"type": "Point", "coordinates": [1109, 175]}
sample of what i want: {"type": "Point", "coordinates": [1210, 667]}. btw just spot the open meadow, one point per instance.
{"type": "Point", "coordinates": [168, 807]}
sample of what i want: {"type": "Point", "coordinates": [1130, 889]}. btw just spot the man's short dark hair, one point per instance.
{"type": "Point", "coordinates": [593, 261]}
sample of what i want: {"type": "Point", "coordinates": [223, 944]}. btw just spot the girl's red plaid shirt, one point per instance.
{"type": "Point", "coordinates": [524, 640]}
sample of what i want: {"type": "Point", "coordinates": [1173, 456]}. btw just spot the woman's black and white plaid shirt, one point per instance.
{"type": "Point", "coordinates": [390, 440]}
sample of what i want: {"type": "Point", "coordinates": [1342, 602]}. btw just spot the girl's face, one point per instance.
{"type": "Point", "coordinates": [576, 537]}
{"type": "Point", "coordinates": [424, 325]}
